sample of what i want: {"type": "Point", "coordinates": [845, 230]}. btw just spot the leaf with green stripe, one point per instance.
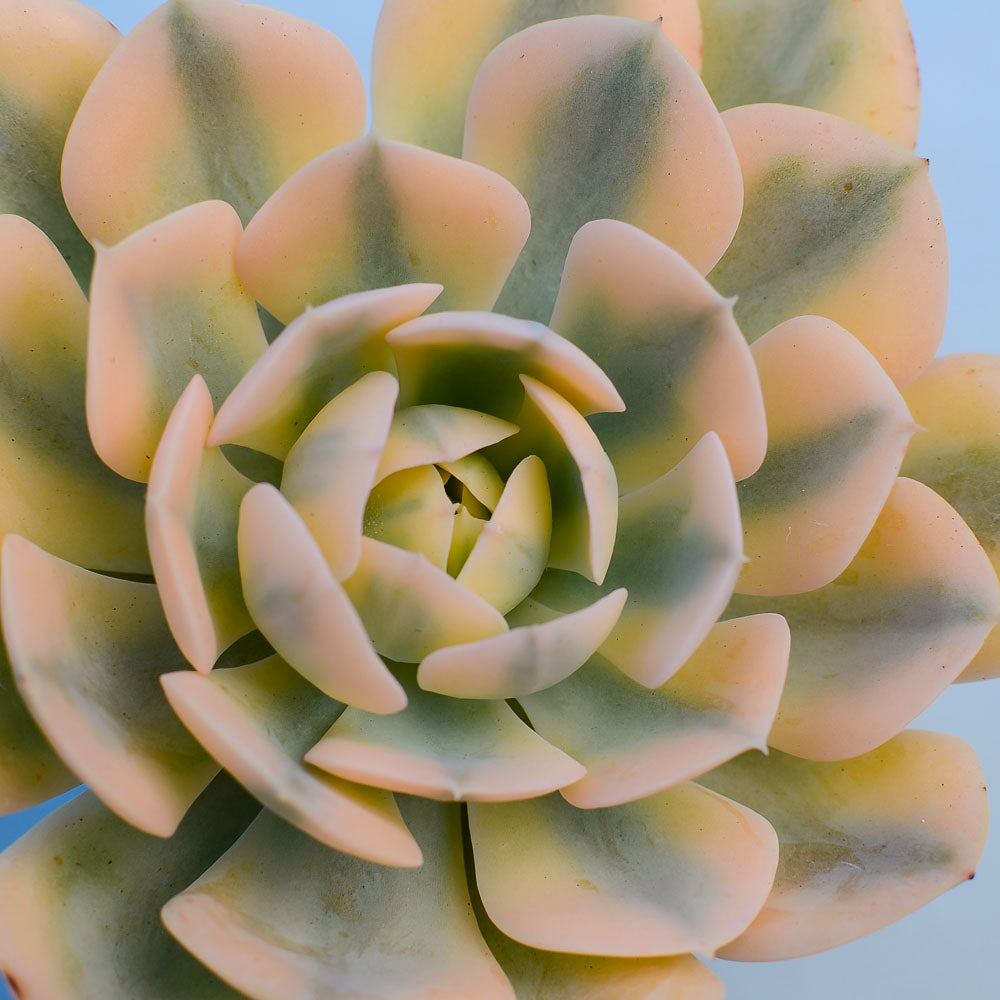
{"type": "Point", "coordinates": [206, 100]}
{"type": "Point", "coordinates": [838, 222]}
{"type": "Point", "coordinates": [854, 60]}
{"type": "Point", "coordinates": [597, 117]}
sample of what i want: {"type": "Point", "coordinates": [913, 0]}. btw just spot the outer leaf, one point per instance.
{"type": "Point", "coordinates": [956, 402]}
{"type": "Point", "coordinates": [855, 60]}
{"type": "Point", "coordinates": [49, 53]}
{"type": "Point", "coordinates": [839, 222]}
{"type": "Point", "coordinates": [426, 54]}
{"type": "Point", "coordinates": [863, 841]}
{"type": "Point", "coordinates": [165, 305]}
{"type": "Point", "coordinates": [375, 213]}
{"type": "Point", "coordinates": [837, 433]}
{"type": "Point", "coordinates": [682, 871]}
{"type": "Point", "coordinates": [87, 651]}
{"type": "Point", "coordinates": [80, 897]}
{"type": "Point", "coordinates": [875, 647]}
{"type": "Point", "coordinates": [54, 489]}
{"type": "Point", "coordinates": [232, 96]}
{"type": "Point", "coordinates": [257, 721]}
{"type": "Point", "coordinates": [593, 118]}
{"type": "Point", "coordinates": [192, 512]}
{"type": "Point", "coordinates": [339, 934]}
{"type": "Point", "coordinates": [636, 742]}
{"type": "Point", "coordinates": [669, 343]}
{"type": "Point", "coordinates": [445, 748]}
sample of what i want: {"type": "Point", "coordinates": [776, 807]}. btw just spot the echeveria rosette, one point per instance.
{"type": "Point", "coordinates": [449, 574]}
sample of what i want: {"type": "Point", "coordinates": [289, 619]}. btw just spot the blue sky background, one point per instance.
{"type": "Point", "coordinates": [949, 949]}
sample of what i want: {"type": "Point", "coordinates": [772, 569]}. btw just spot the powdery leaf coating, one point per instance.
{"type": "Point", "coordinates": [598, 117]}
{"type": "Point", "coordinates": [234, 97]}
{"type": "Point", "coordinates": [956, 402]}
{"type": "Point", "coordinates": [338, 935]}
{"type": "Point", "coordinates": [669, 343]}
{"type": "Point", "coordinates": [879, 644]}
{"type": "Point", "coordinates": [87, 651]}
{"type": "Point", "coordinates": [376, 213]}
{"type": "Point", "coordinates": [636, 742]}
{"type": "Point", "coordinates": [257, 721]}
{"type": "Point", "coordinates": [863, 841]}
{"type": "Point", "coordinates": [445, 748]}
{"type": "Point", "coordinates": [166, 304]}
{"type": "Point", "coordinates": [54, 488]}
{"type": "Point", "coordinates": [73, 922]}
{"type": "Point", "coordinates": [852, 59]}
{"type": "Point", "coordinates": [838, 222]}
{"type": "Point", "coordinates": [192, 510]}
{"type": "Point", "coordinates": [427, 52]}
{"type": "Point", "coordinates": [837, 431]}
{"type": "Point", "coordinates": [49, 54]}
{"type": "Point", "coordinates": [685, 870]}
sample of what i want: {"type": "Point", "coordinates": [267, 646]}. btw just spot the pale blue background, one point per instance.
{"type": "Point", "coordinates": [951, 948]}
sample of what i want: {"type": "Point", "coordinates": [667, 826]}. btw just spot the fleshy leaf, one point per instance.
{"type": "Point", "coordinates": [837, 430]}
{"type": "Point", "coordinates": [301, 608]}
{"type": "Point", "coordinates": [330, 470]}
{"type": "Point", "coordinates": [206, 100]}
{"type": "Point", "coordinates": [474, 359]}
{"type": "Point", "coordinates": [374, 213]}
{"type": "Point", "coordinates": [685, 870]}
{"type": "Point", "coordinates": [855, 60]}
{"type": "Point", "coordinates": [257, 721]}
{"type": "Point", "coordinates": [444, 748]}
{"type": "Point", "coordinates": [49, 53]}
{"type": "Point", "coordinates": [478, 475]}
{"type": "Point", "coordinates": [165, 305]}
{"type": "Point", "coordinates": [54, 489]}
{"type": "Point", "coordinates": [956, 402]}
{"type": "Point", "coordinates": [669, 343]}
{"type": "Point", "coordinates": [598, 117]}
{"type": "Point", "coordinates": [411, 510]}
{"type": "Point", "coordinates": [411, 607]}
{"type": "Point", "coordinates": [540, 650]}
{"type": "Point", "coordinates": [512, 550]}
{"type": "Point", "coordinates": [863, 842]}
{"type": "Point", "coordinates": [581, 478]}
{"type": "Point", "coordinates": [426, 54]}
{"type": "Point", "coordinates": [875, 647]}
{"type": "Point", "coordinates": [30, 770]}
{"type": "Point", "coordinates": [635, 742]}
{"type": "Point", "coordinates": [678, 553]}
{"type": "Point", "coordinates": [191, 517]}
{"type": "Point", "coordinates": [80, 896]}
{"type": "Point", "coordinates": [422, 435]}
{"type": "Point", "coordinates": [86, 652]}
{"type": "Point", "coordinates": [338, 934]}
{"type": "Point", "coordinates": [838, 222]}
{"type": "Point", "coordinates": [317, 356]}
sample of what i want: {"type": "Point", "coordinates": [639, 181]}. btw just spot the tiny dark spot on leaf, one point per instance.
{"type": "Point", "coordinates": [848, 186]}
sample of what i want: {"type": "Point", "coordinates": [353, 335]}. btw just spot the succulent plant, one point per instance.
{"type": "Point", "coordinates": [471, 558]}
